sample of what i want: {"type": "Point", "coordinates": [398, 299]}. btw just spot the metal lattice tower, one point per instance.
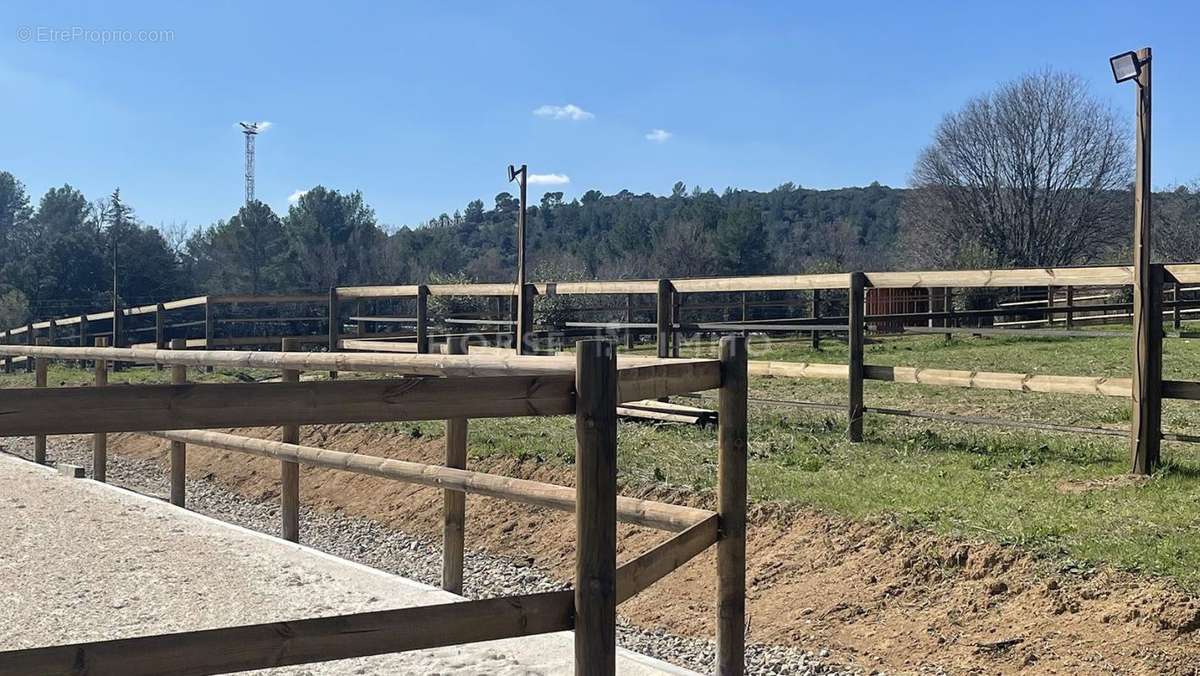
{"type": "Point", "coordinates": [250, 129]}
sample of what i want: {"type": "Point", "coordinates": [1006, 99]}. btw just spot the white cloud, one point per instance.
{"type": "Point", "coordinates": [567, 112]}
{"type": "Point", "coordinates": [549, 179]}
{"type": "Point", "coordinates": [295, 196]}
{"type": "Point", "coordinates": [658, 135]}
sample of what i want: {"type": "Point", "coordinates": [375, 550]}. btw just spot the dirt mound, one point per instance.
{"type": "Point", "coordinates": [874, 593]}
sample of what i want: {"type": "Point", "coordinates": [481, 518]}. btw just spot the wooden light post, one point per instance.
{"type": "Point", "coordinates": [1145, 431]}
{"type": "Point", "coordinates": [524, 309]}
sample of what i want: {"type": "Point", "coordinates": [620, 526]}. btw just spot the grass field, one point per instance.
{"type": "Point", "coordinates": [1061, 495]}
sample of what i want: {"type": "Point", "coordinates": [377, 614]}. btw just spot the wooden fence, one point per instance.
{"type": "Point", "coordinates": [589, 385]}
{"type": "Point", "coordinates": [490, 382]}
{"type": "Point", "coordinates": [399, 318]}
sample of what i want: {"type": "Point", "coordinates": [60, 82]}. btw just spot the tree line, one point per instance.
{"type": "Point", "coordinates": [58, 259]}
{"type": "Point", "coordinates": [1034, 173]}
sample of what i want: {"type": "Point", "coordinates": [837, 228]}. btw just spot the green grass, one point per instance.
{"type": "Point", "coordinates": [976, 481]}
{"type": "Point", "coordinates": [1010, 486]}
{"type": "Point", "coordinates": [59, 375]}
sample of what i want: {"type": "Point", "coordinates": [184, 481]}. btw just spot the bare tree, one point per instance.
{"type": "Point", "coordinates": [1177, 223]}
{"type": "Point", "coordinates": [1034, 174]}
{"type": "Point", "coordinates": [684, 248]}
{"type": "Point", "coordinates": [835, 246]}
{"type": "Point", "coordinates": [176, 235]}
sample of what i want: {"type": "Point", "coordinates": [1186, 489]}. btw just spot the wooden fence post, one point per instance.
{"type": "Point", "coordinates": [100, 439]}
{"type": "Point", "coordinates": [676, 321]}
{"type": "Point", "coordinates": [1070, 307]}
{"type": "Point", "coordinates": [423, 319]}
{"type": "Point", "coordinates": [816, 315]}
{"type": "Point", "coordinates": [178, 448]}
{"type": "Point", "coordinates": [360, 327]}
{"type": "Point", "coordinates": [51, 332]}
{"type": "Point", "coordinates": [29, 341]}
{"type": "Point", "coordinates": [628, 320]}
{"type": "Point", "coordinates": [525, 320]}
{"type": "Point", "coordinates": [595, 507]}
{"type": "Point", "coordinates": [335, 324]}
{"type": "Point", "coordinates": [84, 338]}
{"type": "Point", "coordinates": [745, 314]}
{"type": "Point", "coordinates": [499, 301]}
{"type": "Point", "coordinates": [160, 331]}
{"type": "Point", "coordinates": [120, 337]}
{"type": "Point", "coordinates": [210, 323]}
{"type": "Point", "coordinates": [513, 305]}
{"type": "Point", "coordinates": [289, 472]}
{"type": "Point", "coordinates": [856, 327]}
{"type": "Point", "coordinates": [454, 503]}
{"type": "Point", "coordinates": [8, 365]}
{"type": "Point", "coordinates": [665, 291]}
{"type": "Point", "coordinates": [731, 508]}
{"type": "Point", "coordinates": [1177, 314]}
{"type": "Point", "coordinates": [1145, 429]}
{"type": "Point", "coordinates": [948, 307]}
{"type": "Point", "coordinates": [929, 303]}
{"type": "Point", "coordinates": [39, 380]}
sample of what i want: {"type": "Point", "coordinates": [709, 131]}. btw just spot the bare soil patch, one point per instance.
{"type": "Point", "coordinates": [1107, 483]}
{"type": "Point", "coordinates": [872, 592]}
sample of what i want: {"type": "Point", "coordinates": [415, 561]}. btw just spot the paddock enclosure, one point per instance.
{"type": "Point", "coordinates": [457, 352]}
{"type": "Point", "coordinates": [659, 315]}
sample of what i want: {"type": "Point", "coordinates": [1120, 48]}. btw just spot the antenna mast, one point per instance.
{"type": "Point", "coordinates": [250, 129]}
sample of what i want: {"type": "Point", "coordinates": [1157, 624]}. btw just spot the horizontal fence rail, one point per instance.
{"type": "Point", "coordinates": [647, 513]}
{"type": "Point", "coordinates": [134, 408]}
{"type": "Point", "coordinates": [1183, 273]}
{"type": "Point", "coordinates": [279, 644]}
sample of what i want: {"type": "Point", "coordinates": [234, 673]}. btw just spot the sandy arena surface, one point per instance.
{"type": "Point", "coordinates": [81, 561]}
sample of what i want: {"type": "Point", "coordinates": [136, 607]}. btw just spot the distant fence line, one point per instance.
{"type": "Point", "coordinates": [398, 318]}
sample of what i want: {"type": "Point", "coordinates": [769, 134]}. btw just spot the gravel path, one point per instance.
{"type": "Point", "coordinates": [373, 544]}
{"type": "Point", "coordinates": [113, 563]}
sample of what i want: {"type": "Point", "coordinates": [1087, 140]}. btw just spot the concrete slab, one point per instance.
{"type": "Point", "coordinates": [84, 561]}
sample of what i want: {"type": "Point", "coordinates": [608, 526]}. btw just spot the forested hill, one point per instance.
{"type": "Point", "coordinates": [694, 233]}
{"type": "Point", "coordinates": [57, 253]}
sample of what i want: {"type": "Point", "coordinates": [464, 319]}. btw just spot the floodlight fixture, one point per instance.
{"type": "Point", "coordinates": [1126, 66]}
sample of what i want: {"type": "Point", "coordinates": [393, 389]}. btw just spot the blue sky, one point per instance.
{"type": "Point", "coordinates": [422, 105]}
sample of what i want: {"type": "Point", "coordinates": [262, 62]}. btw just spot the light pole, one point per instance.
{"type": "Point", "coordinates": [116, 303]}
{"type": "Point", "coordinates": [524, 312]}
{"type": "Point", "coordinates": [1145, 430]}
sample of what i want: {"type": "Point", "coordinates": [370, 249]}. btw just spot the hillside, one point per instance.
{"type": "Point", "coordinates": [683, 234]}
